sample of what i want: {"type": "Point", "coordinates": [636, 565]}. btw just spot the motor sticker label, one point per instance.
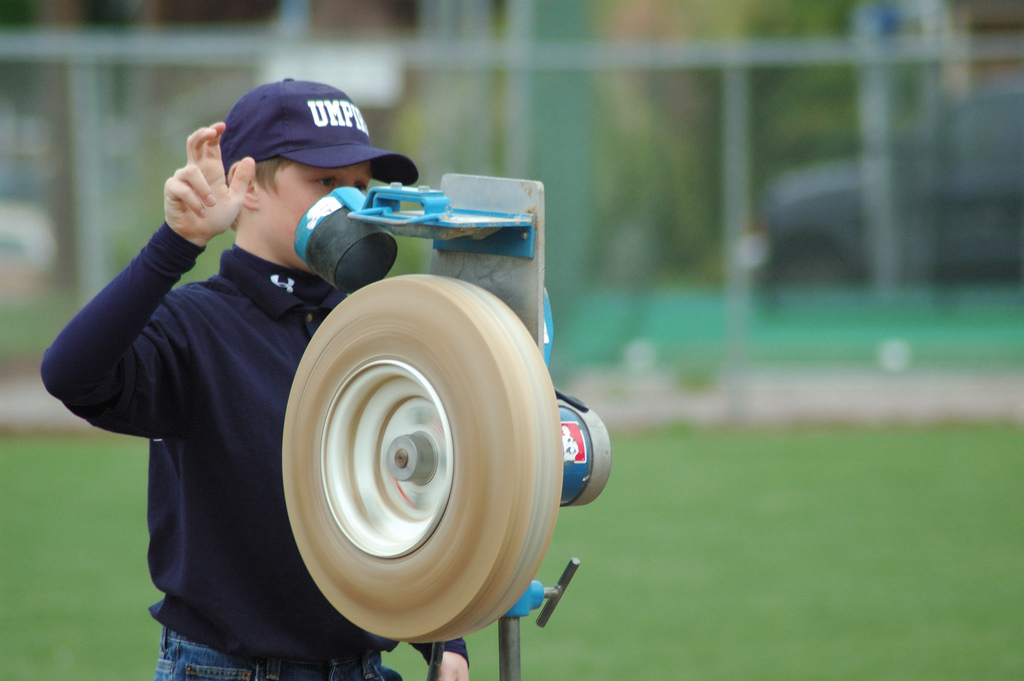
{"type": "Point", "coordinates": [574, 447]}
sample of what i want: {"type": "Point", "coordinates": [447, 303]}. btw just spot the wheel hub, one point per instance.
{"type": "Point", "coordinates": [388, 496]}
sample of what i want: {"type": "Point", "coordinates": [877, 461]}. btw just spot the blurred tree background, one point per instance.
{"type": "Point", "coordinates": [631, 157]}
{"type": "Point", "coordinates": [16, 12]}
{"type": "Point", "coordinates": [655, 143]}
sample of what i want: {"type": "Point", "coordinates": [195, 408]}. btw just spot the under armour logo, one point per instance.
{"type": "Point", "coordinates": [288, 285]}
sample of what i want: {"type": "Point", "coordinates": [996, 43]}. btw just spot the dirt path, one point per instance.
{"type": "Point", "coordinates": [800, 397]}
{"type": "Point", "coordinates": [639, 401]}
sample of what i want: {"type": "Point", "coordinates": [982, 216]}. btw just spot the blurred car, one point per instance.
{"type": "Point", "coordinates": [958, 203]}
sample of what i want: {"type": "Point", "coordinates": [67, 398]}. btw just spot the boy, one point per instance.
{"type": "Point", "coordinates": [204, 372]}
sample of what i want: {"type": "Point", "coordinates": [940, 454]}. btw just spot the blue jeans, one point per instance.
{"type": "Point", "coordinates": [185, 660]}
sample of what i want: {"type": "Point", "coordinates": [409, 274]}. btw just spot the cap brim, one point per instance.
{"type": "Point", "coordinates": [385, 166]}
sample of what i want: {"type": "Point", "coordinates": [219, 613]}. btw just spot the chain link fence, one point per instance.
{"type": "Point", "coordinates": [712, 208]}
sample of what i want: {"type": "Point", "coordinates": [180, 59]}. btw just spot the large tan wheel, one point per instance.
{"type": "Point", "coordinates": [422, 458]}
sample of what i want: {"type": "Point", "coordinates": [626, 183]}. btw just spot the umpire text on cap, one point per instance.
{"type": "Point", "coordinates": [311, 123]}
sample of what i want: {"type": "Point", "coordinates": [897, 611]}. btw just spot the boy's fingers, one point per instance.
{"type": "Point", "coordinates": [194, 144]}
{"type": "Point", "coordinates": [204, 143]}
{"type": "Point", "coordinates": [197, 183]}
{"type": "Point", "coordinates": [189, 187]}
{"type": "Point", "coordinates": [182, 194]}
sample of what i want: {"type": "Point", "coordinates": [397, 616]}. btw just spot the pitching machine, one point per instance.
{"type": "Point", "coordinates": [426, 452]}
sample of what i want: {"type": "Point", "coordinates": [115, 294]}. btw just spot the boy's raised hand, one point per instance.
{"type": "Point", "coordinates": [199, 202]}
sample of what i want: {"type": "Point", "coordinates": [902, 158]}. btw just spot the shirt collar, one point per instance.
{"type": "Point", "coordinates": [274, 288]}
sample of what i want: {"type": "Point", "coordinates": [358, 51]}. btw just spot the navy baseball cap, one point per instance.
{"type": "Point", "coordinates": [311, 123]}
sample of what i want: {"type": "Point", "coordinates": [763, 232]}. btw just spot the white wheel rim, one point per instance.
{"type": "Point", "coordinates": [384, 516]}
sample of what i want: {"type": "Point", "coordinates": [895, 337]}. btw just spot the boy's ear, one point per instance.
{"type": "Point", "coordinates": [252, 191]}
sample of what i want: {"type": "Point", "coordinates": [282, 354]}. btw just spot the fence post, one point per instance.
{"type": "Point", "coordinates": [518, 131]}
{"type": "Point", "coordinates": [561, 156]}
{"type": "Point", "coordinates": [87, 140]}
{"type": "Point", "coordinates": [874, 25]}
{"type": "Point", "coordinates": [736, 214]}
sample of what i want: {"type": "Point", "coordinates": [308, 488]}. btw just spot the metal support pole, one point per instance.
{"type": "Point", "coordinates": [436, 653]}
{"type": "Point", "coordinates": [509, 668]}
{"type": "Point", "coordinates": [508, 649]}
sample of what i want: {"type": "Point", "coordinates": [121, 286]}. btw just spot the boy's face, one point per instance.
{"type": "Point", "coordinates": [270, 231]}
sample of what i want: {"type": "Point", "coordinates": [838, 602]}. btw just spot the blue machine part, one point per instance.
{"type": "Point", "coordinates": [577, 454]}
{"type": "Point", "coordinates": [531, 600]}
{"type": "Point", "coordinates": [387, 201]}
{"type": "Point", "coordinates": [518, 243]}
{"type": "Point", "coordinates": [459, 229]}
{"type": "Point", "coordinates": [549, 329]}
{"type": "Point", "coordinates": [453, 229]}
{"type": "Point", "coordinates": [348, 198]}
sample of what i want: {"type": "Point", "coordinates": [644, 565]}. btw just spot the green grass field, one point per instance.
{"type": "Point", "coordinates": [748, 554]}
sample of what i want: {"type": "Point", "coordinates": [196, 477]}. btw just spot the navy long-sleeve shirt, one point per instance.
{"type": "Point", "coordinates": [204, 371]}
